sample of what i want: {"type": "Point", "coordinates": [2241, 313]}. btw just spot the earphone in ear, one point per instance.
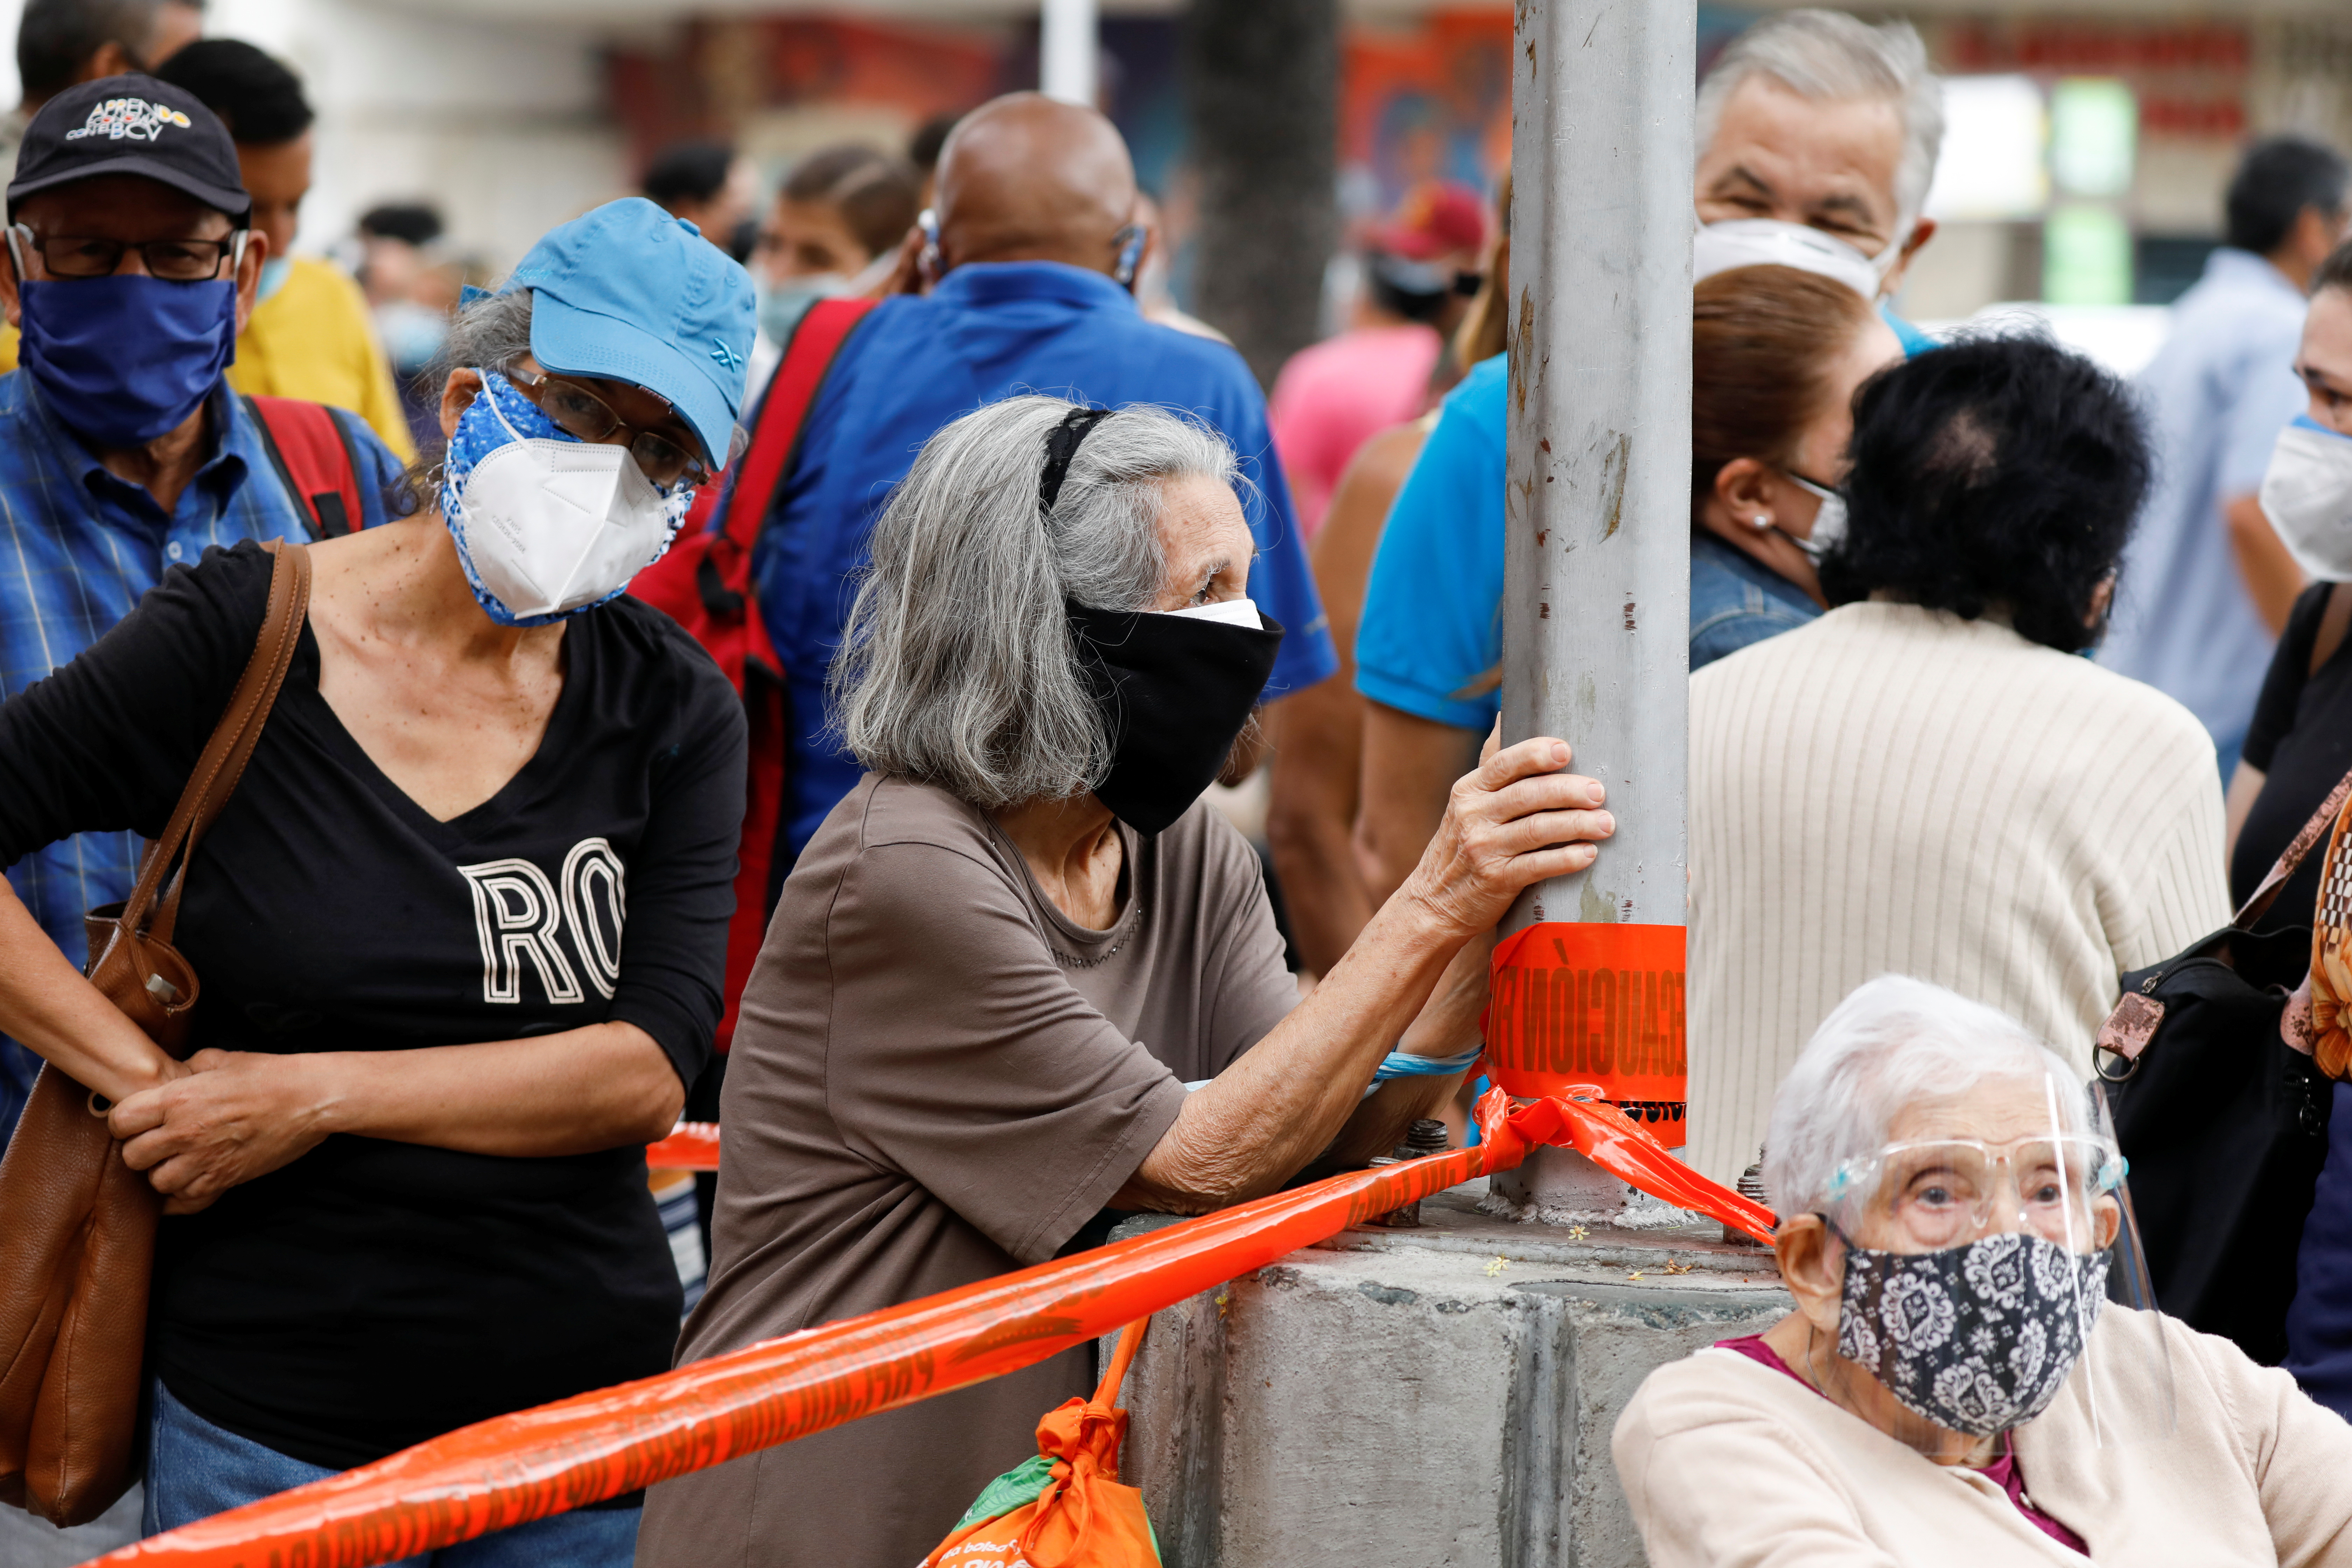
{"type": "Point", "coordinates": [929, 222]}
{"type": "Point", "coordinates": [1129, 241]}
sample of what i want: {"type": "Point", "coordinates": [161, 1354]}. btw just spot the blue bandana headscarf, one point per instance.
{"type": "Point", "coordinates": [478, 434]}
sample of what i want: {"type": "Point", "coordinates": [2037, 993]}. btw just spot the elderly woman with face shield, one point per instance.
{"type": "Point", "coordinates": [1023, 979]}
{"type": "Point", "coordinates": [461, 926]}
{"type": "Point", "coordinates": [1973, 1372]}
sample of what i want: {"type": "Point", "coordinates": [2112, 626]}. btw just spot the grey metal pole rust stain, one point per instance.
{"type": "Point", "coordinates": [1596, 597]}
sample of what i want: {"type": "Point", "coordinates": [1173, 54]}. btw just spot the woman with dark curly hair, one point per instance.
{"type": "Point", "coordinates": [1924, 781]}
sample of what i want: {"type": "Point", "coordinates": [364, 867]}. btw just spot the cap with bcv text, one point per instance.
{"type": "Point", "coordinates": [131, 125]}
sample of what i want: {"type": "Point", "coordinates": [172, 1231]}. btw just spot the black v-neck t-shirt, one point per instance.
{"type": "Point", "coordinates": [2301, 738]}
{"type": "Point", "coordinates": [372, 1294]}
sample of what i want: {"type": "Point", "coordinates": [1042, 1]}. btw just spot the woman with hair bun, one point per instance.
{"type": "Point", "coordinates": [1926, 779]}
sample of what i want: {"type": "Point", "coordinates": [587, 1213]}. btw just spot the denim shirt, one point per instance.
{"type": "Point", "coordinates": [1735, 599]}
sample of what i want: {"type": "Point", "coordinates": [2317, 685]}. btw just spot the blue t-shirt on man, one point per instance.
{"type": "Point", "coordinates": [991, 330]}
{"type": "Point", "coordinates": [1431, 641]}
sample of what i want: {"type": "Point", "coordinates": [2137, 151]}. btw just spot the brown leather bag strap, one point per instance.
{"type": "Point", "coordinates": [233, 739]}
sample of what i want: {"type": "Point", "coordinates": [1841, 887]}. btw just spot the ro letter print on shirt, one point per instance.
{"type": "Point", "coordinates": [524, 922]}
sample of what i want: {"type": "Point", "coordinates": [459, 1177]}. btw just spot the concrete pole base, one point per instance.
{"type": "Point", "coordinates": [1417, 1398]}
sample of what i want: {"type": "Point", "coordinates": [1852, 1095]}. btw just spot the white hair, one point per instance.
{"type": "Point", "coordinates": [1828, 54]}
{"type": "Point", "coordinates": [1892, 1042]}
{"type": "Point", "coordinates": [958, 666]}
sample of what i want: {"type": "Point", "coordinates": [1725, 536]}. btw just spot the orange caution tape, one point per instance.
{"type": "Point", "coordinates": [1593, 1003]}
{"type": "Point", "coordinates": [1581, 1120]}
{"type": "Point", "coordinates": [514, 1468]}
{"type": "Point", "coordinates": [691, 1146]}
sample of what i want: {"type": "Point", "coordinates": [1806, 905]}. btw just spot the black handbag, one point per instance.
{"type": "Point", "coordinates": [2224, 1124]}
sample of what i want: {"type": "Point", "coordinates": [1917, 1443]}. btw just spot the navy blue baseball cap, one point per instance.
{"type": "Point", "coordinates": [629, 294]}
{"type": "Point", "coordinates": [131, 125]}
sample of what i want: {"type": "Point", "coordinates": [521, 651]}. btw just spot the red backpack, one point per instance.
{"type": "Point", "coordinates": [704, 583]}
{"type": "Point", "coordinates": [313, 452]}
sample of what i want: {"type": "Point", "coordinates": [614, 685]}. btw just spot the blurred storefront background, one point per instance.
{"type": "Point", "coordinates": [2088, 144]}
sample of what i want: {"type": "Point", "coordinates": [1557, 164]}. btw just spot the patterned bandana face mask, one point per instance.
{"type": "Point", "coordinates": [1977, 1339]}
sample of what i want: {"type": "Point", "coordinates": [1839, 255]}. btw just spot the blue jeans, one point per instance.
{"type": "Point", "coordinates": [195, 1469]}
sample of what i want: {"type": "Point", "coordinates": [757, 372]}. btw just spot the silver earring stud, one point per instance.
{"type": "Point", "coordinates": [1763, 520]}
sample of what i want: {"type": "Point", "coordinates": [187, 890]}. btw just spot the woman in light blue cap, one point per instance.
{"type": "Point", "coordinates": [461, 927]}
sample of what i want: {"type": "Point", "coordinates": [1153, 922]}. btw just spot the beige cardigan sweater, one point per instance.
{"type": "Point", "coordinates": [1731, 1464]}
{"type": "Point", "coordinates": [1894, 790]}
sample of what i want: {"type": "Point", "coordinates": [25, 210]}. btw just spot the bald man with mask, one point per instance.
{"type": "Point", "coordinates": [1022, 283]}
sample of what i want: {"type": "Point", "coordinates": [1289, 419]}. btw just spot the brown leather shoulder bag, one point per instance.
{"type": "Point", "coordinates": [77, 1243]}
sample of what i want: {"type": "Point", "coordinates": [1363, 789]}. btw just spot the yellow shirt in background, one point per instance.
{"type": "Point", "coordinates": [312, 340]}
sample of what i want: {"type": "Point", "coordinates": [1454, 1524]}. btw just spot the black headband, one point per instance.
{"type": "Point", "coordinates": [1061, 446]}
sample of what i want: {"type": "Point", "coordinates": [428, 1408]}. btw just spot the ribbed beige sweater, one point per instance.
{"type": "Point", "coordinates": [1894, 790]}
{"type": "Point", "coordinates": [1730, 1464]}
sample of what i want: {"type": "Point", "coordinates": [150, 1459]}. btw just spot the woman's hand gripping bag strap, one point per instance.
{"type": "Point", "coordinates": [2224, 1124]}
{"type": "Point", "coordinates": [704, 583]}
{"type": "Point", "coordinates": [77, 1244]}
{"type": "Point", "coordinates": [1065, 1507]}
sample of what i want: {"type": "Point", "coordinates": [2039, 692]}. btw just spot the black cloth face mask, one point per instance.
{"type": "Point", "coordinates": [1174, 692]}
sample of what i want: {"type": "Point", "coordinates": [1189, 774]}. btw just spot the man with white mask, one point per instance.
{"type": "Point", "coordinates": [1817, 138]}
{"type": "Point", "coordinates": [1817, 141]}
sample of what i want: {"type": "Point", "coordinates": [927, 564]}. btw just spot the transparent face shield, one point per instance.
{"type": "Point", "coordinates": [1983, 1253]}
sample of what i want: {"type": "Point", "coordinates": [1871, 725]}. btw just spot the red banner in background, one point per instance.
{"type": "Point", "coordinates": [1593, 1003]}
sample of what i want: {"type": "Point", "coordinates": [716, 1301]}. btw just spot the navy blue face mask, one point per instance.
{"type": "Point", "coordinates": [125, 359]}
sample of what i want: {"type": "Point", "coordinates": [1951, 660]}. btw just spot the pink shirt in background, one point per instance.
{"type": "Point", "coordinates": [1337, 395]}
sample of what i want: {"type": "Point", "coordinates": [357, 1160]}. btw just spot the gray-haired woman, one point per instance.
{"type": "Point", "coordinates": [1965, 1379]}
{"type": "Point", "coordinates": [1020, 978]}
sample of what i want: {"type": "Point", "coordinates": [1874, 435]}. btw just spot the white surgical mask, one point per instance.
{"type": "Point", "coordinates": [1227, 612]}
{"type": "Point", "coordinates": [1829, 522]}
{"type": "Point", "coordinates": [549, 526]}
{"type": "Point", "coordinates": [2307, 495]}
{"type": "Point", "coordinates": [781, 305]}
{"type": "Point", "coordinates": [1769, 242]}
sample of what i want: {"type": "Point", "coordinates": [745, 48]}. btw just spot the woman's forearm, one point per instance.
{"type": "Point", "coordinates": [1520, 817]}
{"type": "Point", "coordinates": [572, 1093]}
{"type": "Point", "coordinates": [1284, 1102]}
{"type": "Point", "coordinates": [47, 1007]}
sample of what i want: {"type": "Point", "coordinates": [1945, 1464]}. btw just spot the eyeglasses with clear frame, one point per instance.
{"type": "Point", "coordinates": [579, 410]}
{"type": "Point", "coordinates": [74, 257]}
{"type": "Point", "coordinates": [1943, 1193]}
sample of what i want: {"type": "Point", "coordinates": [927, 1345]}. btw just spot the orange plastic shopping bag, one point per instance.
{"type": "Point", "coordinates": [1064, 1509]}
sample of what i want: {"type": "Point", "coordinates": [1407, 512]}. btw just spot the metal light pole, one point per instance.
{"type": "Point", "coordinates": [1596, 597]}
{"type": "Point", "coordinates": [1067, 47]}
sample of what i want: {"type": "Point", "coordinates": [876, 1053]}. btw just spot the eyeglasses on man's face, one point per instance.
{"type": "Point", "coordinates": [69, 256]}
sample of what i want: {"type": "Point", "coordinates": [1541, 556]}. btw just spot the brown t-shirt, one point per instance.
{"type": "Point", "coordinates": [939, 1078]}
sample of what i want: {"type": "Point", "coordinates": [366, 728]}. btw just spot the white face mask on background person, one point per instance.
{"type": "Point", "coordinates": [1769, 242]}
{"type": "Point", "coordinates": [781, 305]}
{"type": "Point", "coordinates": [2307, 495]}
{"type": "Point", "coordinates": [551, 525]}
{"type": "Point", "coordinates": [1829, 521]}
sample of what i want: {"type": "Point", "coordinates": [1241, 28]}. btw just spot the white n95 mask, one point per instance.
{"type": "Point", "coordinates": [547, 525]}
{"type": "Point", "coordinates": [2307, 495]}
{"type": "Point", "coordinates": [1769, 242]}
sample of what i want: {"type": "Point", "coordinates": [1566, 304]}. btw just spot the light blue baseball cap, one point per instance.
{"type": "Point", "coordinates": [629, 294]}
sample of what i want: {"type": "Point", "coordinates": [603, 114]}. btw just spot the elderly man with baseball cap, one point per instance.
{"type": "Point", "coordinates": [461, 927]}
{"type": "Point", "coordinates": [130, 266]}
